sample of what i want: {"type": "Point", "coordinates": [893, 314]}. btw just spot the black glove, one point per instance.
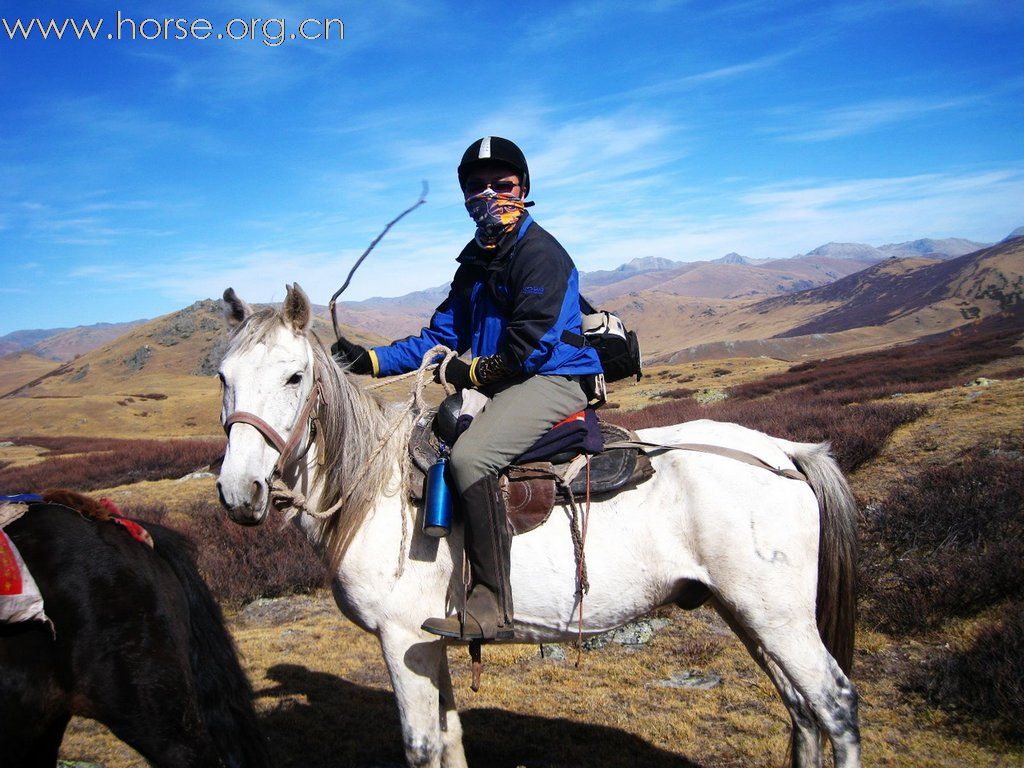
{"type": "Point", "coordinates": [456, 374]}
{"type": "Point", "coordinates": [491, 369]}
{"type": "Point", "coordinates": [351, 355]}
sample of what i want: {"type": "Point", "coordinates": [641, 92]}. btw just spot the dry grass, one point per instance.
{"type": "Point", "coordinates": [21, 368]}
{"type": "Point", "coordinates": [325, 702]}
{"type": "Point", "coordinates": [661, 379]}
{"type": "Point", "coordinates": [959, 419]}
{"type": "Point", "coordinates": [324, 697]}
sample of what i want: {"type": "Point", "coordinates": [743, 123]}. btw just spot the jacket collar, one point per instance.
{"type": "Point", "coordinates": [474, 254]}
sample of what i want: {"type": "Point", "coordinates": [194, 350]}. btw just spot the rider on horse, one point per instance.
{"type": "Point", "coordinates": [514, 302]}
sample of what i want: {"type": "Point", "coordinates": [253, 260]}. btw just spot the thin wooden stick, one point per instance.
{"type": "Point", "coordinates": [334, 298]}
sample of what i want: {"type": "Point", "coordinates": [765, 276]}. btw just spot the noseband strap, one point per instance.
{"type": "Point", "coordinates": [284, 447]}
{"type": "Point", "coordinates": [268, 432]}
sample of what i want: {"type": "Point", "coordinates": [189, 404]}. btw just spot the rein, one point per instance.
{"type": "Point", "coordinates": [291, 501]}
{"type": "Point", "coordinates": [305, 423]}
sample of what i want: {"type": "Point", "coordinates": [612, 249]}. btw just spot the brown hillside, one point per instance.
{"type": "Point", "coordinates": [395, 317]}
{"type": "Point", "coordinates": [158, 379]}
{"type": "Point", "coordinates": [705, 279]}
{"type": "Point", "coordinates": [977, 284]}
{"type": "Point", "coordinates": [895, 301]}
{"type": "Point", "coordinates": [69, 344]}
{"type": "Point", "coordinates": [18, 369]}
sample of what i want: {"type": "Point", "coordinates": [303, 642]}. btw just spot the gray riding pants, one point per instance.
{"type": "Point", "coordinates": [518, 414]}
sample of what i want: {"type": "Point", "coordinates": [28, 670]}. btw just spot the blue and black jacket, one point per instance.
{"type": "Point", "coordinates": [522, 302]}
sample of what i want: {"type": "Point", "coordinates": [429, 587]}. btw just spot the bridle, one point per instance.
{"type": "Point", "coordinates": [305, 423]}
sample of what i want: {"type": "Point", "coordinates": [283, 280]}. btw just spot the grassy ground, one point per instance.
{"type": "Point", "coordinates": [958, 420]}
{"type": "Point", "coordinates": [324, 697]}
{"type": "Point", "coordinates": [324, 700]}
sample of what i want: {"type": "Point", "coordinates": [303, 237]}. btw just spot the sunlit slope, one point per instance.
{"type": "Point", "coordinates": [890, 302]}
{"type": "Point", "coordinates": [158, 379]}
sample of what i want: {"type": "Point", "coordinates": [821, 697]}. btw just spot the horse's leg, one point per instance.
{"type": "Point", "coordinates": [453, 756]}
{"type": "Point", "coordinates": [805, 745]}
{"type": "Point", "coordinates": [792, 642]}
{"type": "Point", "coordinates": [40, 748]}
{"type": "Point", "coordinates": [33, 706]}
{"type": "Point", "coordinates": [149, 704]}
{"type": "Point", "coordinates": [414, 665]}
{"type": "Point", "coordinates": [168, 743]}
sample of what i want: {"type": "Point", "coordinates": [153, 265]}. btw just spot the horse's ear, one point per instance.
{"type": "Point", "coordinates": [297, 310]}
{"type": "Point", "coordinates": [235, 310]}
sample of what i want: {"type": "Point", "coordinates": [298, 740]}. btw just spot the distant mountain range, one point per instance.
{"type": "Point", "coordinates": [730, 277]}
{"type": "Point", "coordinates": [163, 371]}
{"type": "Point", "coordinates": [891, 301]}
{"type": "Point", "coordinates": [63, 343]}
{"type": "Point", "coordinates": [949, 248]}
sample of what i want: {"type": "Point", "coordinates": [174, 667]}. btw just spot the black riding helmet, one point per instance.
{"type": "Point", "coordinates": [494, 149]}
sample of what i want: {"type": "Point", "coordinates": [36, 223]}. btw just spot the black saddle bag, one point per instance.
{"type": "Point", "coordinates": [616, 347]}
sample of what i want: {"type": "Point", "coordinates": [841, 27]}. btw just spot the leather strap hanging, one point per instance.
{"type": "Point", "coordinates": [718, 450]}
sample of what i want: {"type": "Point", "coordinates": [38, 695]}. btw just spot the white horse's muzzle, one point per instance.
{"type": "Point", "coordinates": [246, 502]}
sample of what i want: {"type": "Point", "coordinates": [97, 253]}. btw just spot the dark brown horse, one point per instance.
{"type": "Point", "coordinates": [139, 645]}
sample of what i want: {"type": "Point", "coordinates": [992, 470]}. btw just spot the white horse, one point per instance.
{"type": "Point", "coordinates": [769, 553]}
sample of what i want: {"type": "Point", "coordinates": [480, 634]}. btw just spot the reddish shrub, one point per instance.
{"type": "Point", "coordinates": [109, 463]}
{"type": "Point", "coordinates": [948, 542]}
{"type": "Point", "coordinates": [986, 678]}
{"type": "Point", "coordinates": [857, 432]}
{"type": "Point", "coordinates": [241, 564]}
{"type": "Point", "coordinates": [56, 446]}
{"type": "Point", "coordinates": [678, 393]}
{"type": "Point", "coordinates": [924, 366]}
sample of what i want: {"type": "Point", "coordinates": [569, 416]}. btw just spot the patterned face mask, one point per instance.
{"type": "Point", "coordinates": [495, 214]}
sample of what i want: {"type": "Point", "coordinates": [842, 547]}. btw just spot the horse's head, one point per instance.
{"type": "Point", "coordinates": [270, 393]}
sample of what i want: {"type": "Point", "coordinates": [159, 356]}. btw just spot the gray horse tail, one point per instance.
{"type": "Point", "coordinates": [836, 608]}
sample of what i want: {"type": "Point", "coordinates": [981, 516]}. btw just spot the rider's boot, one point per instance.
{"type": "Point", "coordinates": [488, 544]}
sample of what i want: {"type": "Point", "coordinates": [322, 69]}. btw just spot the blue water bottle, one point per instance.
{"type": "Point", "coordinates": [438, 501]}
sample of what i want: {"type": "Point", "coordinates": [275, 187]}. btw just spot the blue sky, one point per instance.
{"type": "Point", "coordinates": [139, 176]}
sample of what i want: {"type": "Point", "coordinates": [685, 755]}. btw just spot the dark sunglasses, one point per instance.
{"type": "Point", "coordinates": [476, 186]}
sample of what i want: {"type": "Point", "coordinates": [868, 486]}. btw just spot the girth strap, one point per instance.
{"type": "Point", "coordinates": [718, 450]}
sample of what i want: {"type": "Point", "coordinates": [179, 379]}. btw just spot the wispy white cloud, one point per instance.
{"type": "Point", "coordinates": [850, 120]}
{"type": "Point", "coordinates": [714, 75]}
{"type": "Point", "coordinates": [776, 221]}
{"type": "Point", "coordinates": [565, 23]}
{"type": "Point", "coordinates": [780, 220]}
{"type": "Point", "coordinates": [91, 224]}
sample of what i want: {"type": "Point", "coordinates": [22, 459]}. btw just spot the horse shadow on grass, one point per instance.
{"type": "Point", "coordinates": [325, 721]}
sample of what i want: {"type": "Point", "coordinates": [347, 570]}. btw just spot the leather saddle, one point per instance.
{"type": "Point", "coordinates": [533, 488]}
